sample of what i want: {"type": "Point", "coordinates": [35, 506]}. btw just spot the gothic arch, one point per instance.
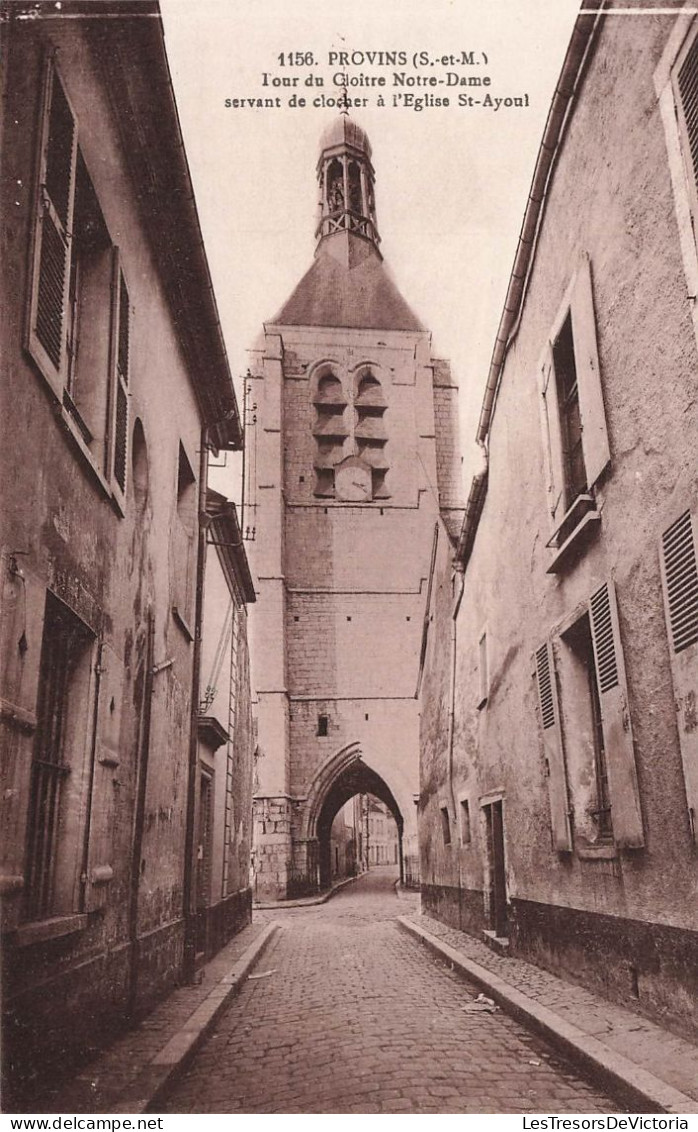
{"type": "Point", "coordinates": [325, 776]}
{"type": "Point", "coordinates": [340, 777]}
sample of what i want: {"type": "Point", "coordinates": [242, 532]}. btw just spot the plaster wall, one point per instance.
{"type": "Point", "coordinates": [114, 571]}
{"type": "Point", "coordinates": [610, 196]}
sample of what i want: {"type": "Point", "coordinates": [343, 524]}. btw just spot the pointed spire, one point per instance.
{"type": "Point", "coordinates": [346, 182]}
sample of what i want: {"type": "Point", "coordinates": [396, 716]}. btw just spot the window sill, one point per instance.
{"type": "Point", "coordinates": [72, 430]}
{"type": "Point", "coordinates": [18, 718]}
{"type": "Point", "coordinates": [604, 852]}
{"type": "Point", "coordinates": [182, 623]}
{"type": "Point", "coordinates": [41, 931]}
{"type": "Point", "coordinates": [574, 542]}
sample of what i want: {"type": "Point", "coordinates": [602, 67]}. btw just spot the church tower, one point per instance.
{"type": "Point", "coordinates": [356, 463]}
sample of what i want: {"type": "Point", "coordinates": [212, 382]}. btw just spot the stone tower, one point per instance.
{"type": "Point", "coordinates": [356, 462]}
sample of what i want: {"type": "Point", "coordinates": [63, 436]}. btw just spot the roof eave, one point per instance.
{"type": "Point", "coordinates": [137, 76]}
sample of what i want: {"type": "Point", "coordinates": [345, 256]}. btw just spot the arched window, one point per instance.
{"type": "Point", "coordinates": [370, 436]}
{"type": "Point", "coordinates": [354, 181]}
{"type": "Point", "coordinates": [335, 186]}
{"type": "Point", "coordinates": [139, 461]}
{"type": "Point", "coordinates": [329, 430]}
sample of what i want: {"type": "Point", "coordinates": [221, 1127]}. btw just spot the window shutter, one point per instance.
{"type": "Point", "coordinates": [121, 330]}
{"type": "Point", "coordinates": [549, 709]}
{"type": "Point", "coordinates": [22, 608]}
{"type": "Point", "coordinates": [626, 815]}
{"type": "Point", "coordinates": [680, 586]}
{"type": "Point", "coordinates": [52, 228]}
{"type": "Point", "coordinates": [100, 868]}
{"type": "Point", "coordinates": [594, 433]}
{"type": "Point", "coordinates": [552, 439]}
{"type": "Point", "coordinates": [688, 96]}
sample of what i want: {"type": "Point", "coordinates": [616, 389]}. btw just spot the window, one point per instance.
{"type": "Point", "coordinates": [445, 825]}
{"type": "Point", "coordinates": [329, 430]}
{"type": "Point", "coordinates": [574, 470]}
{"type": "Point", "coordinates": [579, 640]}
{"type": "Point", "coordinates": [183, 543]}
{"type": "Point", "coordinates": [465, 833]}
{"type": "Point", "coordinates": [575, 438]}
{"type": "Point", "coordinates": [78, 321]}
{"type": "Point", "coordinates": [323, 725]}
{"type": "Point", "coordinates": [58, 764]}
{"type": "Point", "coordinates": [675, 84]}
{"type": "Point", "coordinates": [680, 585]}
{"type": "Point", "coordinates": [483, 672]}
{"type": "Point", "coordinates": [595, 767]}
{"type": "Point", "coordinates": [350, 447]}
{"type": "Point", "coordinates": [370, 437]}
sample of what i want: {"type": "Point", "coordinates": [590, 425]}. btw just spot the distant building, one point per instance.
{"type": "Point", "coordinates": [115, 387]}
{"type": "Point", "coordinates": [226, 736]}
{"type": "Point", "coordinates": [357, 466]}
{"type": "Point", "coordinates": [382, 835]}
{"type": "Point", "coordinates": [559, 725]}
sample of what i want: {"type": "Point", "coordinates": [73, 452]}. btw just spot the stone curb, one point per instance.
{"type": "Point", "coordinates": [168, 1063]}
{"type": "Point", "coordinates": [306, 901]}
{"type": "Point", "coordinates": [630, 1080]}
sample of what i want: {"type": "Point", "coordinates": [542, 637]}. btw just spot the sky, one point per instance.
{"type": "Point", "coordinates": [451, 181]}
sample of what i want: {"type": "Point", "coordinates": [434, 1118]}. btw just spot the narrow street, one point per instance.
{"type": "Point", "coordinates": [346, 1013]}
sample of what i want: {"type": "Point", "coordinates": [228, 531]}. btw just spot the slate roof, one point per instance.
{"type": "Point", "coordinates": [362, 296]}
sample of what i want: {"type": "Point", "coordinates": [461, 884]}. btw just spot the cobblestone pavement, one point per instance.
{"type": "Point", "coordinates": [672, 1058]}
{"type": "Point", "coordinates": [346, 1013]}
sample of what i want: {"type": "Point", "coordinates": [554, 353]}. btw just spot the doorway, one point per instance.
{"type": "Point", "coordinates": [498, 917]}
{"type": "Point", "coordinates": [203, 862]}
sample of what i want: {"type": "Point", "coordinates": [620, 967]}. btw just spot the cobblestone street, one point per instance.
{"type": "Point", "coordinates": [345, 1013]}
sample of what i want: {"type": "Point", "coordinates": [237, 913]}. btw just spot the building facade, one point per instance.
{"type": "Point", "coordinates": [226, 734]}
{"type": "Point", "coordinates": [115, 388]}
{"type": "Point", "coordinates": [356, 465]}
{"type": "Point", "coordinates": [383, 848]}
{"type": "Point", "coordinates": [562, 663]}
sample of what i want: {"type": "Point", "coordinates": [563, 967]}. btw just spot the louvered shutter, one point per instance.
{"type": "Point", "coordinates": [687, 82]}
{"type": "Point", "coordinates": [626, 815]}
{"type": "Point", "coordinates": [22, 610]}
{"type": "Point", "coordinates": [552, 438]}
{"type": "Point", "coordinates": [100, 868]}
{"type": "Point", "coordinates": [586, 357]}
{"type": "Point", "coordinates": [680, 585]}
{"type": "Point", "coordinates": [549, 717]}
{"type": "Point", "coordinates": [121, 332]}
{"type": "Point", "coordinates": [52, 239]}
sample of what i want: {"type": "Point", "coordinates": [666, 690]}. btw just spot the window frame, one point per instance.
{"type": "Point", "coordinates": [683, 179]}
{"type": "Point", "coordinates": [557, 716]}
{"type": "Point", "coordinates": [55, 372]}
{"type": "Point", "coordinates": [463, 828]}
{"type": "Point", "coordinates": [573, 521]}
{"type": "Point", "coordinates": [61, 871]}
{"type": "Point", "coordinates": [445, 820]}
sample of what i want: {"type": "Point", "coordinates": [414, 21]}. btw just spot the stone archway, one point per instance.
{"type": "Point", "coordinates": [340, 779]}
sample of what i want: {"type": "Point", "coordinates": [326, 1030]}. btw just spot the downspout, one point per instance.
{"type": "Point", "coordinates": [84, 876]}
{"type": "Point", "coordinates": [188, 887]}
{"type": "Point", "coordinates": [144, 722]}
{"type": "Point", "coordinates": [460, 575]}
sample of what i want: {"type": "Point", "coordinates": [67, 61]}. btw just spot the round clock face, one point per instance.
{"type": "Point", "coordinates": [352, 483]}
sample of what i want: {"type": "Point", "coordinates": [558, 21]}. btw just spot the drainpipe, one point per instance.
{"type": "Point", "coordinates": [460, 575]}
{"type": "Point", "coordinates": [84, 875]}
{"type": "Point", "coordinates": [145, 716]}
{"type": "Point", "coordinates": [188, 887]}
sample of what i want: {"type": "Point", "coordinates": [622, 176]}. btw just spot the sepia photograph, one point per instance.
{"type": "Point", "coordinates": [349, 561]}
